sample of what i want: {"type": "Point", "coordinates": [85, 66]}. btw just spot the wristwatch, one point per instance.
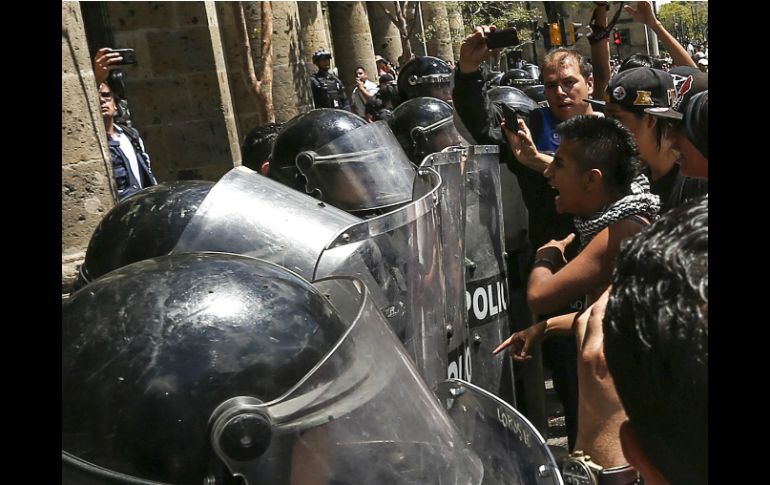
{"type": "Point", "coordinates": [580, 470]}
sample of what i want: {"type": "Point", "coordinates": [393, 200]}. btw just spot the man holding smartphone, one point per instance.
{"type": "Point", "coordinates": [130, 162]}
{"type": "Point", "coordinates": [527, 151]}
{"type": "Point", "coordinates": [363, 91]}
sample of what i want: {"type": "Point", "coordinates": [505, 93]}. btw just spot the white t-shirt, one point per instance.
{"type": "Point", "coordinates": [359, 102]}
{"type": "Point", "coordinates": [128, 150]}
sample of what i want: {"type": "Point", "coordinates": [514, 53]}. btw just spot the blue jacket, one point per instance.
{"type": "Point", "coordinates": [125, 180]}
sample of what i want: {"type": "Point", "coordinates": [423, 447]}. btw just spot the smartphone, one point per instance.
{"type": "Point", "coordinates": [510, 117]}
{"type": "Point", "coordinates": [128, 55]}
{"type": "Point", "coordinates": [502, 38]}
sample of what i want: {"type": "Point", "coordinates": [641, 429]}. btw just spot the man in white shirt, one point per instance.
{"type": "Point", "coordinates": [364, 90]}
{"type": "Point", "coordinates": [130, 162]}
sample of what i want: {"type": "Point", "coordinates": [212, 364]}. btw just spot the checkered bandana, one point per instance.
{"type": "Point", "coordinates": [640, 202]}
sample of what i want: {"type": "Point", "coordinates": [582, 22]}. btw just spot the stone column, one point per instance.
{"type": "Point", "coordinates": [456, 28]}
{"type": "Point", "coordinates": [88, 190]}
{"type": "Point", "coordinates": [352, 40]}
{"type": "Point", "coordinates": [436, 22]}
{"type": "Point", "coordinates": [314, 35]}
{"type": "Point", "coordinates": [385, 36]}
{"type": "Point", "coordinates": [291, 87]}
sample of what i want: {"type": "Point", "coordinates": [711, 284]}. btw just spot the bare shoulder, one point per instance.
{"type": "Point", "coordinates": [625, 228]}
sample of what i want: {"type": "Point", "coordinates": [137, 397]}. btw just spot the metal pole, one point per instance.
{"type": "Point", "coordinates": [653, 35]}
{"type": "Point", "coordinates": [422, 30]}
{"type": "Point", "coordinates": [647, 40]}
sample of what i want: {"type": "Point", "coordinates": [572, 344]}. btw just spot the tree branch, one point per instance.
{"type": "Point", "coordinates": [390, 16]}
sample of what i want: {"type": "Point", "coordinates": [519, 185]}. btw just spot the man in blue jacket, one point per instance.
{"type": "Point", "coordinates": [130, 162]}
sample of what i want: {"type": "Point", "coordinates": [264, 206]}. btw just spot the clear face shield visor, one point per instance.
{"type": "Point", "coordinates": [436, 137]}
{"type": "Point", "coordinates": [364, 169]}
{"type": "Point", "coordinates": [347, 420]}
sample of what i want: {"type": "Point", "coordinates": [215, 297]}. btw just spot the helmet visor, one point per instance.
{"type": "Point", "coordinates": [346, 421]}
{"type": "Point", "coordinates": [436, 137]}
{"type": "Point", "coordinates": [362, 170]}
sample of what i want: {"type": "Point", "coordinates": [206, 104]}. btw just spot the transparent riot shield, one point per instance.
{"type": "Point", "coordinates": [486, 295]}
{"type": "Point", "coordinates": [360, 416]}
{"type": "Point", "coordinates": [451, 167]}
{"type": "Point", "coordinates": [511, 449]}
{"type": "Point", "coordinates": [408, 265]}
{"type": "Point", "coordinates": [246, 213]}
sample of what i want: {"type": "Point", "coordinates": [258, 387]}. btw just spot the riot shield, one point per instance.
{"type": "Point", "coordinates": [246, 213]}
{"type": "Point", "coordinates": [486, 284]}
{"type": "Point", "coordinates": [511, 449]}
{"type": "Point", "coordinates": [361, 415]}
{"type": "Point", "coordinates": [451, 167]}
{"type": "Point", "coordinates": [409, 265]}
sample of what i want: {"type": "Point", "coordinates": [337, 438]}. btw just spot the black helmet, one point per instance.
{"type": "Point", "coordinates": [513, 97]}
{"type": "Point", "coordinates": [307, 131]}
{"type": "Point", "coordinates": [425, 76]}
{"type": "Point", "coordinates": [416, 125]}
{"type": "Point", "coordinates": [145, 225]}
{"type": "Point", "coordinates": [343, 160]}
{"type": "Point", "coordinates": [320, 54]}
{"type": "Point", "coordinates": [150, 351]}
{"type": "Point", "coordinates": [537, 93]}
{"type": "Point", "coordinates": [494, 79]}
{"type": "Point", "coordinates": [204, 367]}
{"type": "Point", "coordinates": [516, 78]}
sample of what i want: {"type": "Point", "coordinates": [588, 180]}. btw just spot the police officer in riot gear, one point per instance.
{"type": "Point", "coordinates": [209, 367]}
{"type": "Point", "coordinates": [338, 157]}
{"type": "Point", "coordinates": [518, 78]}
{"type": "Point", "coordinates": [425, 76]}
{"type": "Point", "coordinates": [328, 90]}
{"type": "Point", "coordinates": [423, 126]}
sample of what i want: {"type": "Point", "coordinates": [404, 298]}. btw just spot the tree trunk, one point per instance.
{"type": "Point", "coordinates": [404, 29]}
{"type": "Point", "coordinates": [261, 83]}
{"type": "Point", "coordinates": [456, 28]}
{"type": "Point", "coordinates": [385, 35]}
{"type": "Point", "coordinates": [352, 42]}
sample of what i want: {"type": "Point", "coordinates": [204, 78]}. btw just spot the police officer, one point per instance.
{"type": "Point", "coordinates": [205, 367]}
{"type": "Point", "coordinates": [425, 76]}
{"type": "Point", "coordinates": [328, 91]}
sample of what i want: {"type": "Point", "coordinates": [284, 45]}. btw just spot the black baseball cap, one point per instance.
{"type": "Point", "coordinates": [639, 88]}
{"type": "Point", "coordinates": [687, 86]}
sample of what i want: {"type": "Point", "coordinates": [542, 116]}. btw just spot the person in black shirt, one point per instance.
{"type": "Point", "coordinates": [629, 93]}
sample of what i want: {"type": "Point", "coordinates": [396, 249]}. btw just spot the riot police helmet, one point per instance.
{"type": "Point", "coordinates": [145, 225]}
{"type": "Point", "coordinates": [319, 55]}
{"type": "Point", "coordinates": [537, 93]}
{"type": "Point", "coordinates": [513, 97]}
{"type": "Point", "coordinates": [423, 126]}
{"type": "Point", "coordinates": [221, 369]}
{"type": "Point", "coordinates": [151, 350]}
{"type": "Point", "coordinates": [425, 76]}
{"type": "Point", "coordinates": [517, 78]}
{"type": "Point", "coordinates": [341, 159]}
